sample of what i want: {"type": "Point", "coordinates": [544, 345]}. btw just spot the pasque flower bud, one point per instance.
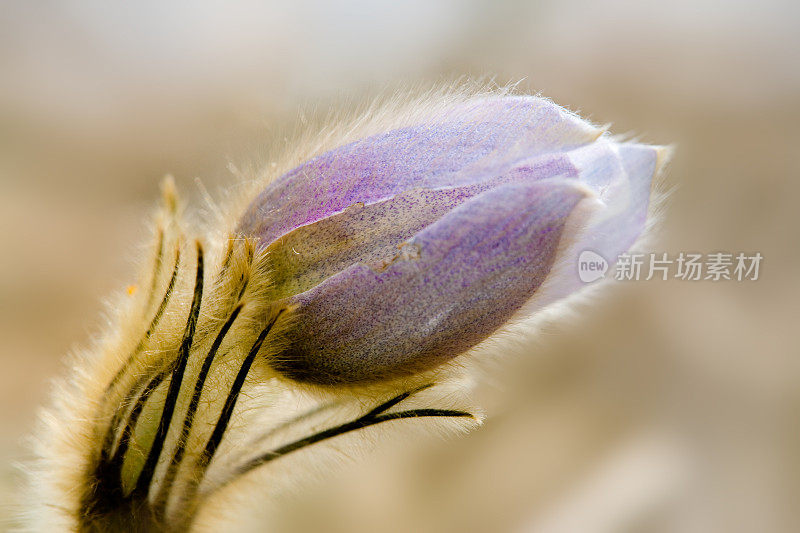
{"type": "Point", "coordinates": [382, 258]}
{"type": "Point", "coordinates": [405, 249]}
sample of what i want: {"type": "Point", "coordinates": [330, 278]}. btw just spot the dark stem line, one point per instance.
{"type": "Point", "coordinates": [180, 449]}
{"type": "Point", "coordinates": [226, 262]}
{"type": "Point", "coordinates": [308, 414]}
{"type": "Point", "coordinates": [108, 441]}
{"type": "Point", "coordinates": [154, 322]}
{"type": "Point", "coordinates": [243, 452]}
{"type": "Point", "coordinates": [245, 277]}
{"type": "Point", "coordinates": [146, 475]}
{"type": "Point", "coordinates": [245, 282]}
{"type": "Point", "coordinates": [359, 423]}
{"type": "Point", "coordinates": [374, 416]}
{"type": "Point", "coordinates": [385, 406]}
{"type": "Point", "coordinates": [167, 295]}
{"type": "Point", "coordinates": [230, 402]}
{"type": "Point", "coordinates": [156, 267]}
{"type": "Point", "coordinates": [111, 430]}
{"type": "Point", "coordinates": [124, 440]}
{"type": "Point", "coordinates": [288, 423]}
{"type": "Point", "coordinates": [107, 492]}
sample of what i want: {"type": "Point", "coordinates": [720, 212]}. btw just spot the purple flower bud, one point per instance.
{"type": "Point", "coordinates": [403, 250]}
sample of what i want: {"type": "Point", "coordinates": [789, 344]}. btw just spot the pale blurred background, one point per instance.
{"type": "Point", "coordinates": [671, 407]}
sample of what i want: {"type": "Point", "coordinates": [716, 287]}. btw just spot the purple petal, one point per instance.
{"type": "Point", "coordinates": [368, 234]}
{"type": "Point", "coordinates": [621, 176]}
{"type": "Point", "coordinates": [468, 143]}
{"type": "Point", "coordinates": [448, 288]}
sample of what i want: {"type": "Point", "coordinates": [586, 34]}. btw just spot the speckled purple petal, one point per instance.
{"type": "Point", "coordinates": [447, 289]}
{"type": "Point", "coordinates": [468, 143]}
{"type": "Point", "coordinates": [306, 256]}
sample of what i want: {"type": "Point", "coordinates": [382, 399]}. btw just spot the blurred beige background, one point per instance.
{"type": "Point", "coordinates": [671, 407]}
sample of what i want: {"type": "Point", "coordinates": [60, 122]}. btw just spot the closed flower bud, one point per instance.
{"type": "Point", "coordinates": [403, 250]}
{"type": "Point", "coordinates": [382, 258]}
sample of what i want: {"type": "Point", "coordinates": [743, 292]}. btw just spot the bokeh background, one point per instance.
{"type": "Point", "coordinates": [670, 407]}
